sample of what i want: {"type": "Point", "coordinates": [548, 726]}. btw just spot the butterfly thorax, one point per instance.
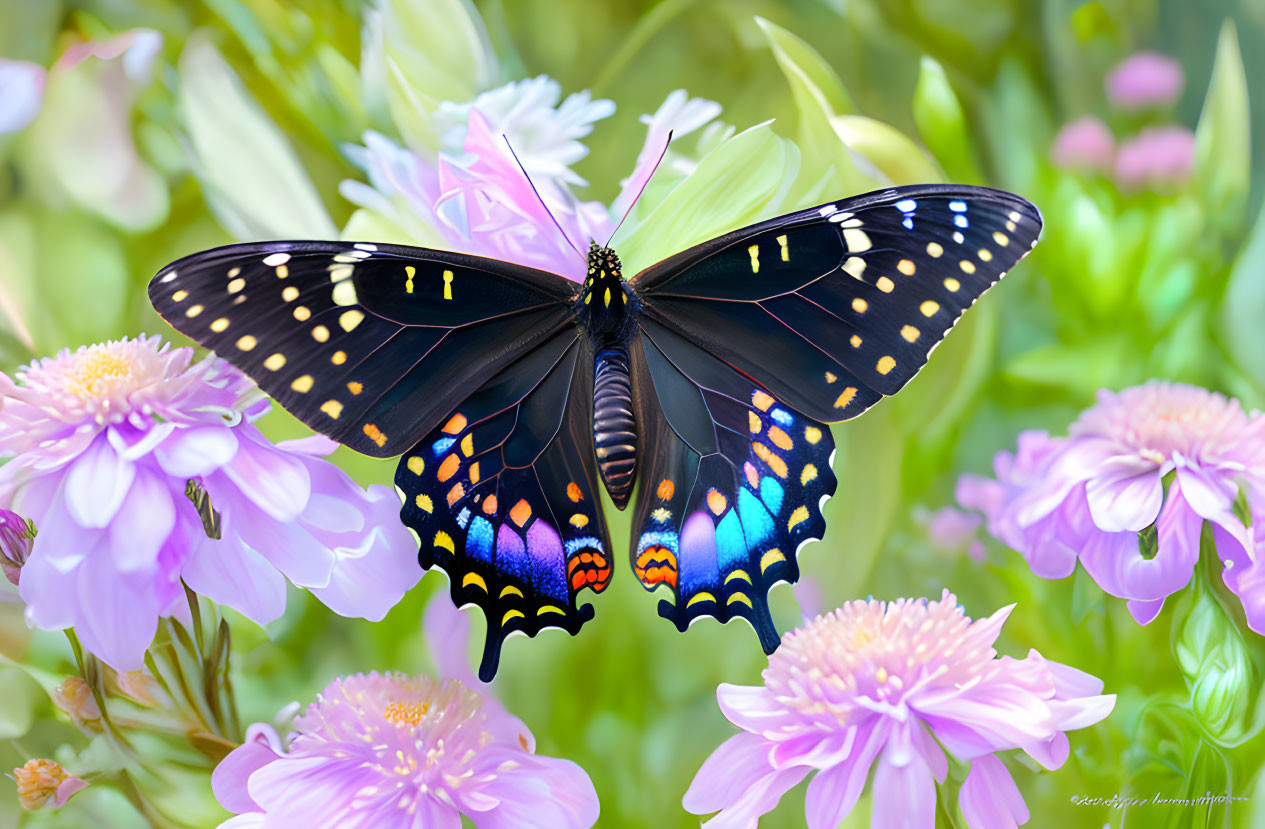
{"type": "Point", "coordinates": [604, 297]}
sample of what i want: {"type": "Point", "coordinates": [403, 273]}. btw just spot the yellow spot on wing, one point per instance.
{"type": "Point", "coordinates": [807, 474]}
{"type": "Point", "coordinates": [447, 285]}
{"type": "Point", "coordinates": [511, 590]}
{"type": "Point", "coordinates": [302, 384]}
{"type": "Point", "coordinates": [910, 333]}
{"type": "Point", "coordinates": [219, 325]}
{"type": "Point", "coordinates": [858, 241]}
{"type": "Point", "coordinates": [548, 608]}
{"type": "Point", "coordinates": [786, 251]}
{"type": "Point", "coordinates": [424, 503]}
{"type": "Point", "coordinates": [885, 285]}
{"type": "Point", "coordinates": [1001, 238]}
{"type": "Point", "coordinates": [338, 358]}
{"type": "Point", "coordinates": [698, 598]}
{"type": "Point", "coordinates": [906, 267]}
{"type": "Point", "coordinates": [845, 397]}
{"type": "Point", "coordinates": [579, 520]}
{"type": "Point", "coordinates": [302, 313]}
{"type": "Point", "coordinates": [799, 516]}
{"type": "Point", "coordinates": [350, 319]}
{"type": "Point", "coordinates": [409, 273]}
{"type": "Point", "coordinates": [332, 408]}
{"type": "Point", "coordinates": [771, 557]}
{"type": "Point", "coordinates": [855, 340]}
{"type": "Point", "coordinates": [193, 311]}
{"type": "Point", "coordinates": [416, 465]}
{"type": "Point", "coordinates": [354, 387]}
{"type": "Point", "coordinates": [444, 540]}
{"type": "Point", "coordinates": [855, 266]}
{"type": "Point", "coordinates": [738, 574]}
{"type": "Point", "coordinates": [929, 308]}
{"type": "Point", "coordinates": [859, 305]}
{"type": "Point", "coordinates": [467, 445]}
{"type": "Point", "coordinates": [753, 422]}
{"type": "Point", "coordinates": [476, 580]}
{"type": "Point", "coordinates": [345, 293]}
{"type": "Point", "coordinates": [830, 378]}
{"type": "Point", "coordinates": [812, 434]}
{"type": "Point", "coordinates": [985, 255]}
{"type": "Point", "coordinates": [180, 296]}
{"type": "Point", "coordinates": [885, 364]}
{"type": "Point", "coordinates": [246, 343]}
{"type": "Point", "coordinates": [935, 250]}
{"type": "Point", "coordinates": [275, 361]}
{"type": "Point", "coordinates": [967, 266]}
{"type": "Point", "coordinates": [320, 333]}
{"type": "Point", "coordinates": [290, 293]}
{"type": "Point", "coordinates": [236, 285]}
{"type": "Point", "coordinates": [739, 598]}
{"type": "Point", "coordinates": [754, 250]}
{"type": "Point", "coordinates": [951, 283]}
{"type": "Point", "coordinates": [474, 473]}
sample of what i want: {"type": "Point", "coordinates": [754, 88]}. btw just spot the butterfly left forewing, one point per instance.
{"type": "Point", "coordinates": [369, 344]}
{"type": "Point", "coordinates": [833, 307]}
{"type": "Point", "coordinates": [504, 497]}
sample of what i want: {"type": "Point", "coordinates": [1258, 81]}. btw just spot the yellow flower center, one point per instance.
{"type": "Point", "coordinates": [409, 712]}
{"type": "Point", "coordinates": [97, 371]}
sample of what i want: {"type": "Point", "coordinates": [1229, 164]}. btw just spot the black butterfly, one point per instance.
{"type": "Point", "coordinates": [705, 382]}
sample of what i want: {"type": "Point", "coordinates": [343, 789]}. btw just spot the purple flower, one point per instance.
{"type": "Point", "coordinates": [1158, 157]}
{"type": "Point", "coordinates": [1144, 80]}
{"type": "Point", "coordinates": [474, 198]}
{"type": "Point", "coordinates": [893, 684]}
{"type": "Point", "coordinates": [16, 535]}
{"type": "Point", "coordinates": [1084, 144]}
{"type": "Point", "coordinates": [393, 750]}
{"type": "Point", "coordinates": [108, 444]}
{"type": "Point", "coordinates": [1128, 492]}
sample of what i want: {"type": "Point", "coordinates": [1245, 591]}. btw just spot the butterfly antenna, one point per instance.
{"type": "Point", "coordinates": [644, 184]}
{"type": "Point", "coordinates": [530, 184]}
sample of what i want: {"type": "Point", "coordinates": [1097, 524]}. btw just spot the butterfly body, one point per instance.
{"type": "Point", "coordinates": [698, 392]}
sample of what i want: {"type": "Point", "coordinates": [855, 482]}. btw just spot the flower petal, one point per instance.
{"type": "Point", "coordinates": [904, 795]}
{"type": "Point", "coordinates": [732, 769]}
{"type": "Point", "coordinates": [230, 779]}
{"type": "Point", "coordinates": [537, 793]}
{"type": "Point", "coordinates": [989, 798]}
{"type": "Point", "coordinates": [143, 523]}
{"type": "Point", "coordinates": [833, 793]}
{"type": "Point", "coordinates": [1125, 494]}
{"type": "Point", "coordinates": [751, 708]}
{"type": "Point", "coordinates": [369, 580]}
{"type": "Point", "coordinates": [197, 451]}
{"type": "Point", "coordinates": [97, 483]}
{"type": "Point", "coordinates": [273, 480]}
{"type": "Point", "coordinates": [231, 573]}
{"type": "Point", "coordinates": [117, 615]}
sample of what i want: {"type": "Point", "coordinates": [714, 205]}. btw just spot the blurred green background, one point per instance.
{"type": "Point", "coordinates": [1128, 284]}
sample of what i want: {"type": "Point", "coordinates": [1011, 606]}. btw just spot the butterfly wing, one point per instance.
{"type": "Point", "coordinates": [732, 484]}
{"type": "Point", "coordinates": [833, 307]}
{"type": "Point", "coordinates": [504, 497]}
{"type": "Point", "coordinates": [369, 344]}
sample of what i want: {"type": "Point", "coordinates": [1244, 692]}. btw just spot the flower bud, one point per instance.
{"type": "Point", "coordinates": [74, 697]}
{"type": "Point", "coordinates": [1217, 668]}
{"type": "Point", "coordinates": [43, 783]}
{"type": "Point", "coordinates": [139, 687]}
{"type": "Point", "coordinates": [16, 535]}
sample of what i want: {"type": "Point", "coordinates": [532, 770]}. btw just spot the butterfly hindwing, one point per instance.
{"type": "Point", "coordinates": [369, 344]}
{"type": "Point", "coordinates": [833, 307]}
{"type": "Point", "coordinates": [731, 485]}
{"type": "Point", "coordinates": [504, 497]}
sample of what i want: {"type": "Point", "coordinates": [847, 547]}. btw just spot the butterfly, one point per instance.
{"type": "Point", "coordinates": [699, 389]}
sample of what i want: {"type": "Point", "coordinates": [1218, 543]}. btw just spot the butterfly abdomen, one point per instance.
{"type": "Point", "coordinates": [614, 429]}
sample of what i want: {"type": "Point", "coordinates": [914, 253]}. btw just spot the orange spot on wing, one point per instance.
{"type": "Point", "coordinates": [354, 387]}
{"type": "Point", "coordinates": [474, 473]}
{"type": "Point", "coordinates": [656, 565]}
{"type": "Point", "coordinates": [774, 462]}
{"type": "Point", "coordinates": [448, 468]}
{"type": "Point", "coordinates": [666, 488]}
{"type": "Point", "coordinates": [456, 494]}
{"type": "Point", "coordinates": [375, 434]}
{"type": "Point", "coordinates": [574, 493]}
{"type": "Point", "coordinates": [455, 424]}
{"type": "Point", "coordinates": [489, 504]}
{"type": "Point", "coordinates": [716, 502]}
{"type": "Point", "coordinates": [753, 477]}
{"type": "Point", "coordinates": [780, 439]}
{"type": "Point", "coordinates": [520, 512]}
{"type": "Point", "coordinates": [761, 400]}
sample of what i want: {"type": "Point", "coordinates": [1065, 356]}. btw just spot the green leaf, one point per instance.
{"type": "Point", "coordinates": [1223, 138]}
{"type": "Point", "coordinates": [1244, 305]}
{"type": "Point", "coordinates": [741, 182]}
{"type": "Point", "coordinates": [896, 156]}
{"type": "Point", "coordinates": [942, 124]}
{"type": "Point", "coordinates": [251, 176]}
{"type": "Point", "coordinates": [435, 50]}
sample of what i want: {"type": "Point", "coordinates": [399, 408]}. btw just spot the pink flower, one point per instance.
{"type": "Point", "coordinates": [1143, 80]}
{"type": "Point", "coordinates": [113, 444]}
{"type": "Point", "coordinates": [952, 531]}
{"type": "Point", "coordinates": [893, 684]}
{"type": "Point", "coordinates": [474, 197]}
{"type": "Point", "coordinates": [1157, 156]}
{"type": "Point", "coordinates": [393, 750]}
{"type": "Point", "coordinates": [1157, 460]}
{"type": "Point", "coordinates": [1084, 144]}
